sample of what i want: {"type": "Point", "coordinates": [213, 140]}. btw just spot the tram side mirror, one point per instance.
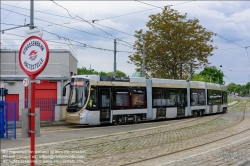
{"type": "Point", "coordinates": [64, 91]}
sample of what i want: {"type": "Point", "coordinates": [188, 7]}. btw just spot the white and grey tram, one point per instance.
{"type": "Point", "coordinates": [97, 99]}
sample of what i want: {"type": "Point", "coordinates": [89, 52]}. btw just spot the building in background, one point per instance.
{"type": "Point", "coordinates": [61, 66]}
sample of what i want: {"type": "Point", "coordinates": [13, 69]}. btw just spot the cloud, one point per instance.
{"type": "Point", "coordinates": [229, 19]}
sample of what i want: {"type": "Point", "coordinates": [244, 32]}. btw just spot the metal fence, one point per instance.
{"type": "Point", "coordinates": [8, 120]}
{"type": "Point", "coordinates": [2, 119]}
{"type": "Point", "coordinates": [47, 107]}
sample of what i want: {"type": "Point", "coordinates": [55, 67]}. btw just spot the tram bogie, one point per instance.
{"type": "Point", "coordinates": [126, 119]}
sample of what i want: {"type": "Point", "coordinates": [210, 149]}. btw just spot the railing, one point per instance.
{"type": "Point", "coordinates": [46, 105]}
{"type": "Point", "coordinates": [10, 120]}
{"type": "Point", "coordinates": [51, 69]}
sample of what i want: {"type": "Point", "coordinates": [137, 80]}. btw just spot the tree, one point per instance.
{"type": "Point", "coordinates": [238, 88]}
{"type": "Point", "coordinates": [174, 46]}
{"type": "Point", "coordinates": [231, 87]}
{"type": "Point", "coordinates": [118, 73]}
{"type": "Point", "coordinates": [215, 75]}
{"type": "Point", "coordinates": [102, 73]}
{"type": "Point", "coordinates": [85, 71]}
{"type": "Point", "coordinates": [198, 77]}
{"type": "Point", "coordinates": [247, 87]}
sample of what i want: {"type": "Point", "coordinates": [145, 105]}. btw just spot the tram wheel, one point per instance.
{"type": "Point", "coordinates": [195, 114]}
{"type": "Point", "coordinates": [119, 121]}
{"type": "Point", "coordinates": [138, 119]}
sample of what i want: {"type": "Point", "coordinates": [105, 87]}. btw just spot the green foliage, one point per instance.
{"type": "Point", "coordinates": [198, 77]}
{"type": "Point", "coordinates": [174, 46]}
{"type": "Point", "coordinates": [241, 89]}
{"type": "Point", "coordinates": [102, 73]}
{"type": "Point", "coordinates": [231, 87]}
{"type": "Point", "coordinates": [237, 89]}
{"type": "Point", "coordinates": [244, 91]}
{"type": "Point", "coordinates": [118, 73]}
{"type": "Point", "coordinates": [85, 71]}
{"type": "Point", "coordinates": [213, 74]}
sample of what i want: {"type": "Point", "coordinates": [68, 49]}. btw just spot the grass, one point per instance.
{"type": "Point", "coordinates": [230, 100]}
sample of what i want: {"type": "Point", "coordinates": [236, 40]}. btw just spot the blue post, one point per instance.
{"type": "Point", "coordinates": [1, 119]}
{"type": "Point", "coordinates": [2, 115]}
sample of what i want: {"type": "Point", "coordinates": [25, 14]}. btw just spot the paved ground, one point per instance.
{"type": "Point", "coordinates": [65, 133]}
{"type": "Point", "coordinates": [155, 146]}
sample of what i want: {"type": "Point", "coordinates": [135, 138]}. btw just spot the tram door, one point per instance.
{"type": "Point", "coordinates": [182, 103]}
{"type": "Point", "coordinates": [105, 103]}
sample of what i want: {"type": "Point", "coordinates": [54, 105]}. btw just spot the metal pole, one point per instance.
{"type": "Point", "coordinates": [31, 27]}
{"type": "Point", "coordinates": [32, 123]}
{"type": "Point", "coordinates": [143, 60]}
{"type": "Point", "coordinates": [191, 73]}
{"type": "Point", "coordinates": [31, 14]}
{"type": "Point", "coordinates": [2, 114]}
{"type": "Point", "coordinates": [188, 99]}
{"type": "Point", "coordinates": [115, 57]}
{"type": "Point", "coordinates": [31, 99]}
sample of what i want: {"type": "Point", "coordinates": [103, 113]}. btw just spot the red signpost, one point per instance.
{"type": "Point", "coordinates": [33, 58]}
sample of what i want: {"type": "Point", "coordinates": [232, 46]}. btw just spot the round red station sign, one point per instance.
{"type": "Point", "coordinates": [33, 56]}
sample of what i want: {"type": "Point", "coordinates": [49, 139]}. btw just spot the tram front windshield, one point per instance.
{"type": "Point", "coordinates": [78, 95]}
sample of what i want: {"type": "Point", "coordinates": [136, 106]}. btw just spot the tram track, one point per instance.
{"type": "Point", "coordinates": [52, 128]}
{"type": "Point", "coordinates": [106, 146]}
{"type": "Point", "coordinates": [68, 127]}
{"type": "Point", "coordinates": [103, 155]}
{"type": "Point", "coordinates": [101, 145]}
{"type": "Point", "coordinates": [200, 145]}
{"type": "Point", "coordinates": [146, 135]}
{"type": "Point", "coordinates": [80, 127]}
{"type": "Point", "coordinates": [213, 118]}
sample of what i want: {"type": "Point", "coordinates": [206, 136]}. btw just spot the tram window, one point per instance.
{"type": "Point", "coordinates": [157, 97]}
{"type": "Point", "coordinates": [214, 97]}
{"type": "Point", "coordinates": [93, 98]}
{"type": "Point", "coordinates": [210, 97]}
{"type": "Point", "coordinates": [181, 97]}
{"type": "Point", "coordinates": [198, 97]}
{"type": "Point", "coordinates": [201, 97]}
{"type": "Point", "coordinates": [172, 96]}
{"type": "Point", "coordinates": [217, 96]}
{"type": "Point", "coordinates": [165, 97]}
{"type": "Point", "coordinates": [138, 98]}
{"type": "Point", "coordinates": [224, 97]}
{"type": "Point", "coordinates": [122, 98]}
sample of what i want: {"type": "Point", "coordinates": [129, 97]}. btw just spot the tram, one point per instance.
{"type": "Point", "coordinates": [96, 100]}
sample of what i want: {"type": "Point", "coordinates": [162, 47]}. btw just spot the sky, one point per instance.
{"type": "Point", "coordinates": [67, 25]}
